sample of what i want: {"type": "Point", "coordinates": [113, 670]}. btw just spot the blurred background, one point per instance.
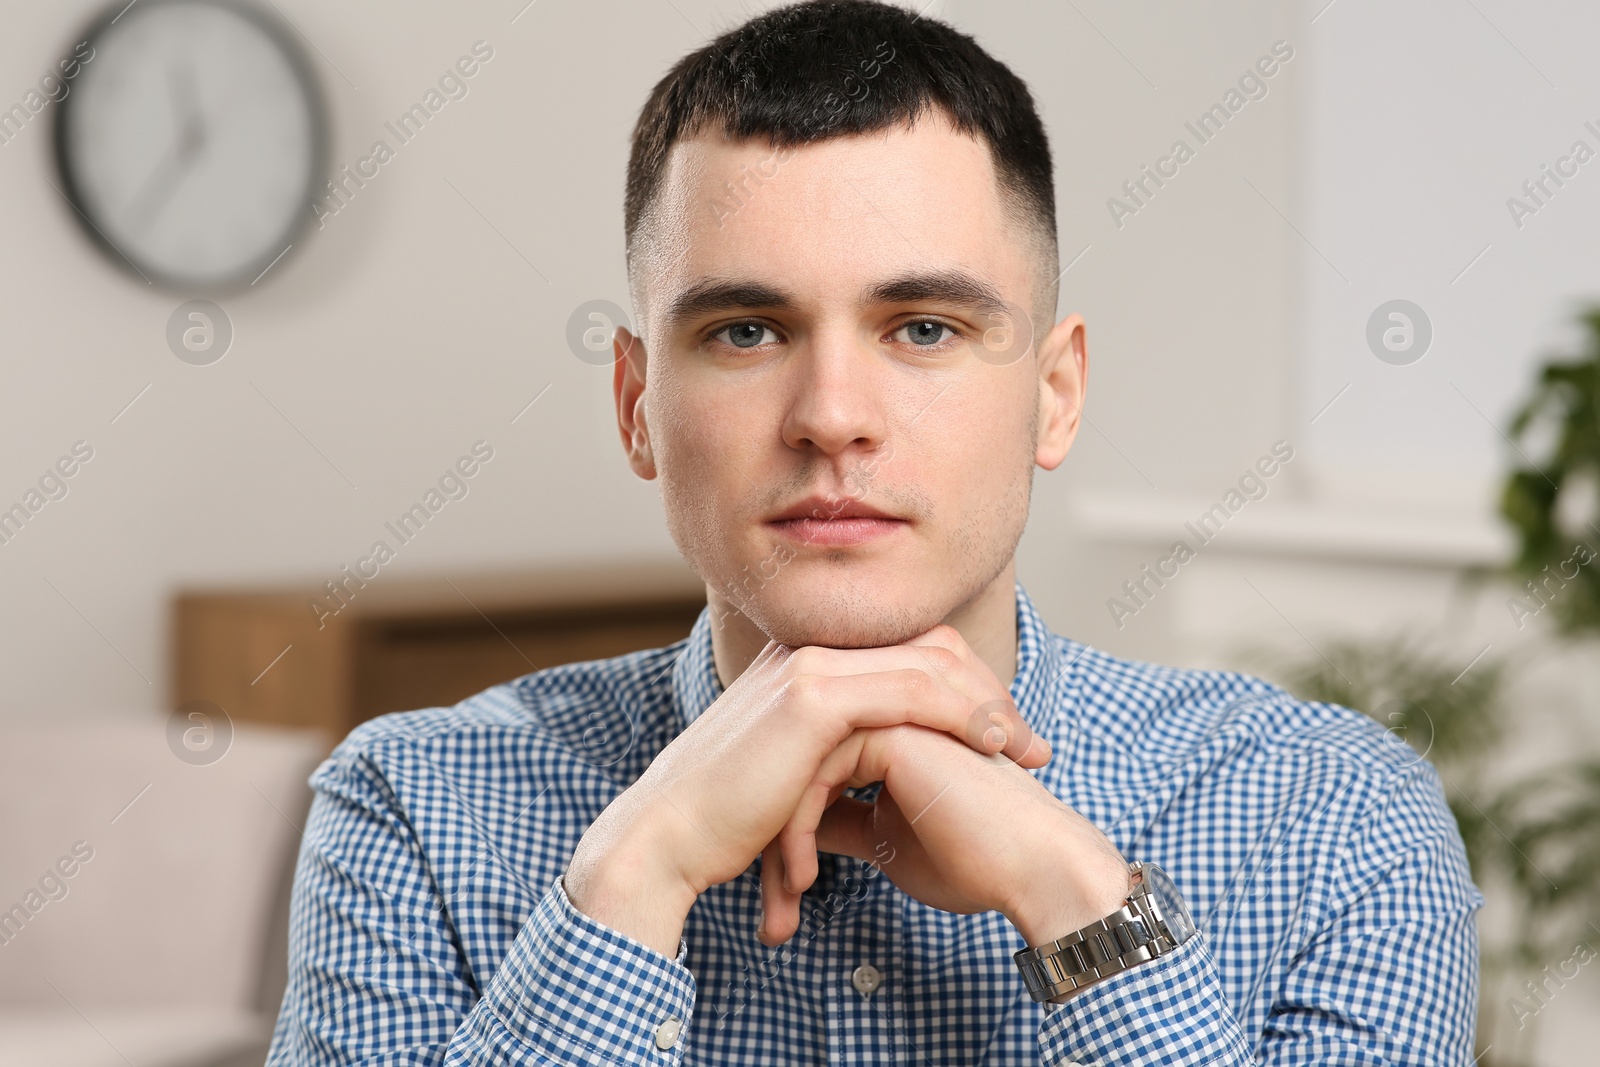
{"type": "Point", "coordinates": [242, 345]}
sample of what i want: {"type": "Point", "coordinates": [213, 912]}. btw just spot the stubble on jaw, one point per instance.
{"type": "Point", "coordinates": [980, 545]}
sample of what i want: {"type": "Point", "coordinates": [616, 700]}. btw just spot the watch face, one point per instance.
{"type": "Point", "coordinates": [1173, 910]}
{"type": "Point", "coordinates": [193, 141]}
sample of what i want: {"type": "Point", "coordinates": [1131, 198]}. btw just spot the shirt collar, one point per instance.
{"type": "Point", "coordinates": [695, 684]}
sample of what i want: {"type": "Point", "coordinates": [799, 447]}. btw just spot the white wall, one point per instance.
{"type": "Point", "coordinates": [1420, 121]}
{"type": "Point", "coordinates": [1411, 126]}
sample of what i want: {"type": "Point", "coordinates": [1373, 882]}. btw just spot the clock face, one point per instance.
{"type": "Point", "coordinates": [193, 141]}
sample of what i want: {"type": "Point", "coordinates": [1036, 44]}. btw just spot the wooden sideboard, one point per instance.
{"type": "Point", "coordinates": [266, 655]}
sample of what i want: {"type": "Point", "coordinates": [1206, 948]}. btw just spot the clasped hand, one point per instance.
{"type": "Point", "coordinates": [762, 770]}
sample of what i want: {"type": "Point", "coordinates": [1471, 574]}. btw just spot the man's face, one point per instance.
{"type": "Point", "coordinates": [845, 440]}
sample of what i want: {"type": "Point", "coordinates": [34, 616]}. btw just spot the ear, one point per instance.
{"type": "Point", "coordinates": [627, 386]}
{"type": "Point", "coordinates": [1063, 377]}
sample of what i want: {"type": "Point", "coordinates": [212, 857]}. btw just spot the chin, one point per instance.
{"type": "Point", "coordinates": [837, 615]}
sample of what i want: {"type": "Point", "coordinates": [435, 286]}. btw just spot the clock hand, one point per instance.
{"type": "Point", "coordinates": [186, 102]}
{"type": "Point", "coordinates": [164, 179]}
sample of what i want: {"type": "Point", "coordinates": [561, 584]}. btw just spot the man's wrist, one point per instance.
{"type": "Point", "coordinates": [1058, 904]}
{"type": "Point", "coordinates": [1152, 922]}
{"type": "Point", "coordinates": [631, 889]}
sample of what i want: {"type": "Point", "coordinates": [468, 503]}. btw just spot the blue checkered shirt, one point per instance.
{"type": "Point", "coordinates": [1314, 849]}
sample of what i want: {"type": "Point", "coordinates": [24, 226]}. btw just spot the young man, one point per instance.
{"type": "Point", "coordinates": [871, 810]}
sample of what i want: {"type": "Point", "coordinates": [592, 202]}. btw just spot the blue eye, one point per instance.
{"type": "Point", "coordinates": [924, 333]}
{"type": "Point", "coordinates": [743, 334]}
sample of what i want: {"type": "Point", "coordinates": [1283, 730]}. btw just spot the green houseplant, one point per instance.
{"type": "Point", "coordinates": [1552, 504]}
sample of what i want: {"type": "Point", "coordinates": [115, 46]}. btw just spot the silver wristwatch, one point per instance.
{"type": "Point", "coordinates": [1152, 922]}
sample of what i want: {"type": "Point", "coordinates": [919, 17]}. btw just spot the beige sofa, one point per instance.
{"type": "Point", "coordinates": [144, 897]}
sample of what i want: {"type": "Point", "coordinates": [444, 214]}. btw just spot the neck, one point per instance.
{"type": "Point", "coordinates": [987, 622]}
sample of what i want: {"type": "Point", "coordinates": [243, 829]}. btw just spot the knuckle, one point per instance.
{"type": "Point", "coordinates": [916, 684]}
{"type": "Point", "coordinates": [805, 689]}
{"type": "Point", "coordinates": [803, 660]}
{"type": "Point", "coordinates": [943, 660]}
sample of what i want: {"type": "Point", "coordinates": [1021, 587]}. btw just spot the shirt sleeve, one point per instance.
{"type": "Point", "coordinates": [1390, 978]}
{"type": "Point", "coordinates": [377, 975]}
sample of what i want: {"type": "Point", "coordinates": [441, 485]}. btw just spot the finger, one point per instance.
{"type": "Point", "coordinates": [780, 909]}
{"type": "Point", "coordinates": [846, 828]}
{"type": "Point", "coordinates": [997, 726]}
{"type": "Point", "coordinates": [932, 656]}
{"type": "Point", "coordinates": [995, 713]}
{"type": "Point", "coordinates": [908, 694]}
{"type": "Point", "coordinates": [864, 757]}
{"type": "Point", "coordinates": [937, 768]}
{"type": "Point", "coordinates": [797, 840]}
{"type": "Point", "coordinates": [948, 637]}
{"type": "Point", "coordinates": [945, 654]}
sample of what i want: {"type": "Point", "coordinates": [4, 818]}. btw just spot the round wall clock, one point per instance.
{"type": "Point", "coordinates": [193, 142]}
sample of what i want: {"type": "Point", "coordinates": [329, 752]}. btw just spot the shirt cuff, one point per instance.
{"type": "Point", "coordinates": [1169, 1010]}
{"type": "Point", "coordinates": [576, 991]}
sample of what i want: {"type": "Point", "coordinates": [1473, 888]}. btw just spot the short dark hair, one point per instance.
{"type": "Point", "coordinates": [811, 71]}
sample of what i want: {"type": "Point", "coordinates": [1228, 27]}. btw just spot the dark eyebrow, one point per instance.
{"type": "Point", "coordinates": [955, 286]}
{"type": "Point", "coordinates": [718, 295]}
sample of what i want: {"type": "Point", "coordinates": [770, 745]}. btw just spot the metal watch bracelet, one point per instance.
{"type": "Point", "coordinates": [1136, 932]}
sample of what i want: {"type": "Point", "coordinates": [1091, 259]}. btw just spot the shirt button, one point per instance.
{"type": "Point", "coordinates": [667, 1034]}
{"type": "Point", "coordinates": [866, 978]}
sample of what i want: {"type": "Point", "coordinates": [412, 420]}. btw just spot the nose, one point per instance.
{"type": "Point", "coordinates": [836, 398]}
